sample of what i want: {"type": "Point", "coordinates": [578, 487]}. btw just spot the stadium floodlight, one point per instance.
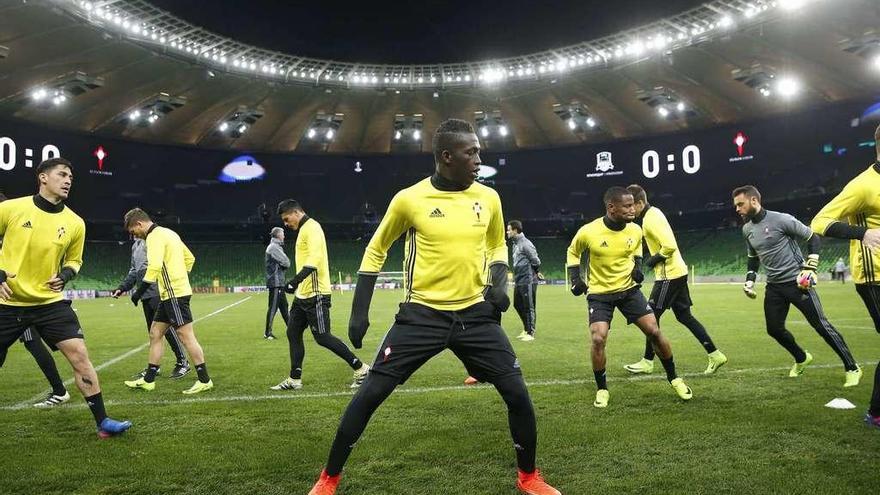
{"type": "Point", "coordinates": [572, 124]}
{"type": "Point", "coordinates": [788, 86]}
{"type": "Point", "coordinates": [239, 121]}
{"type": "Point", "coordinates": [63, 88]}
{"type": "Point", "coordinates": [152, 109]}
{"type": "Point", "coordinates": [491, 126]}
{"type": "Point", "coordinates": [407, 131]}
{"type": "Point", "coordinates": [39, 94]}
{"type": "Point", "coordinates": [324, 128]}
{"type": "Point", "coordinates": [758, 77]}
{"type": "Point", "coordinates": [664, 101]}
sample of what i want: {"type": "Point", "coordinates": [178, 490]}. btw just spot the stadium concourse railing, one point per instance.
{"type": "Point", "coordinates": [716, 255]}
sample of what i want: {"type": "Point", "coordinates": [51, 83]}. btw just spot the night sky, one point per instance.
{"type": "Point", "coordinates": [427, 31]}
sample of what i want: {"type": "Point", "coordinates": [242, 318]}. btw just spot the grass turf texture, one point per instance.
{"type": "Point", "coordinates": [749, 428]}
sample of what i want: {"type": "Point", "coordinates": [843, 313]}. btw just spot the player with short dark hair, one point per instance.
{"type": "Point", "coordinates": [276, 264]}
{"type": "Point", "coordinates": [670, 289]}
{"type": "Point", "coordinates": [526, 275]}
{"type": "Point", "coordinates": [150, 303]}
{"type": "Point", "coordinates": [772, 240]}
{"type": "Point", "coordinates": [854, 214]}
{"type": "Point", "coordinates": [169, 262]}
{"type": "Point", "coordinates": [454, 228]}
{"type": "Point", "coordinates": [43, 243]}
{"type": "Point", "coordinates": [613, 244]}
{"type": "Point", "coordinates": [32, 342]}
{"type": "Point", "coordinates": [311, 300]}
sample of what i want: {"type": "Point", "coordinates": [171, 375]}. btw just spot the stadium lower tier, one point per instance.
{"type": "Point", "coordinates": [709, 253]}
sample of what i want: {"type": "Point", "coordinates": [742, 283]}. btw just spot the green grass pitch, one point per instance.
{"type": "Point", "coordinates": [749, 428]}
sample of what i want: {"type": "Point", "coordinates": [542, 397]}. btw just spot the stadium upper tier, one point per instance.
{"type": "Point", "coordinates": [124, 68]}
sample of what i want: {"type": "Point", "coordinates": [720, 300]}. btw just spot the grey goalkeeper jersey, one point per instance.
{"type": "Point", "coordinates": [525, 261]}
{"type": "Point", "coordinates": [137, 270]}
{"type": "Point", "coordinates": [276, 263]}
{"type": "Point", "coordinates": [775, 239]}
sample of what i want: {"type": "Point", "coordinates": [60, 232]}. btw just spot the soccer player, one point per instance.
{"type": "Point", "coordinates": [31, 340]}
{"type": "Point", "coordinates": [149, 303]}
{"type": "Point", "coordinates": [169, 262]}
{"type": "Point", "coordinates": [613, 244]}
{"type": "Point", "coordinates": [526, 274]}
{"type": "Point", "coordinates": [670, 283]}
{"type": "Point", "coordinates": [855, 214]}
{"type": "Point", "coordinates": [276, 263]}
{"type": "Point", "coordinates": [42, 250]}
{"type": "Point", "coordinates": [772, 240]}
{"type": "Point", "coordinates": [454, 229]}
{"type": "Point", "coordinates": [311, 303]}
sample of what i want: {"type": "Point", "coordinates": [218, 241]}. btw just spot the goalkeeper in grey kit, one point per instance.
{"type": "Point", "coordinates": [772, 240]}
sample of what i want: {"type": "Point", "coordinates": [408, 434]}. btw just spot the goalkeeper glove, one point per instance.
{"type": "Point", "coordinates": [578, 286]}
{"type": "Point", "coordinates": [806, 279]}
{"type": "Point", "coordinates": [637, 275]}
{"type": "Point", "coordinates": [749, 286]}
{"type": "Point", "coordinates": [652, 261]}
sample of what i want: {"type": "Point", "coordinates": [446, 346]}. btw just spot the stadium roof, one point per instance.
{"type": "Point", "coordinates": [126, 68]}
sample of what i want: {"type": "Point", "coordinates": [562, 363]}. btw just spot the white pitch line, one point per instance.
{"type": "Point", "coordinates": [127, 354]}
{"type": "Point", "coordinates": [416, 390]}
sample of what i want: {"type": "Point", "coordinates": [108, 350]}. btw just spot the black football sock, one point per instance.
{"type": "Point", "coordinates": [150, 375]}
{"type": "Point", "coordinates": [669, 366]}
{"type": "Point", "coordinates": [96, 405]}
{"type": "Point", "coordinates": [202, 371]}
{"type": "Point", "coordinates": [601, 379]}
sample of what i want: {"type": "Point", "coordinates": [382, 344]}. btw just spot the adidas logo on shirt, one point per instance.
{"type": "Point", "coordinates": [436, 213]}
{"type": "Point", "coordinates": [27, 225]}
{"type": "Point", "coordinates": [604, 244]}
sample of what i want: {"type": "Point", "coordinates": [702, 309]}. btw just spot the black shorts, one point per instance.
{"type": "Point", "coordinates": [53, 322]}
{"type": "Point", "coordinates": [473, 334]}
{"type": "Point", "coordinates": [631, 303]}
{"type": "Point", "coordinates": [313, 312]}
{"type": "Point", "coordinates": [174, 311]}
{"type": "Point", "coordinates": [671, 294]}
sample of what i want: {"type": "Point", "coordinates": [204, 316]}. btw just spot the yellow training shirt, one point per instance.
{"type": "Point", "coordinates": [452, 237]}
{"type": "Point", "coordinates": [169, 262]}
{"type": "Point", "coordinates": [611, 255]}
{"type": "Point", "coordinates": [37, 242]}
{"type": "Point", "coordinates": [858, 204]}
{"type": "Point", "coordinates": [660, 240]}
{"type": "Point", "coordinates": [311, 252]}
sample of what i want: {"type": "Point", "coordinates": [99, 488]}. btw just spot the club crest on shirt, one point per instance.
{"type": "Point", "coordinates": [477, 209]}
{"type": "Point", "coordinates": [61, 232]}
{"type": "Point", "coordinates": [629, 243]}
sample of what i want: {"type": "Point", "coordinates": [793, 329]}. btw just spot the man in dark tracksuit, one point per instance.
{"type": "Point", "coordinates": [526, 274]}
{"type": "Point", "coordinates": [150, 301]}
{"type": "Point", "coordinates": [276, 263]}
{"type": "Point", "coordinates": [772, 240]}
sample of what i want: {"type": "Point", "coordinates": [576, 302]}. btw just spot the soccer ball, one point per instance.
{"type": "Point", "coordinates": [806, 280]}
